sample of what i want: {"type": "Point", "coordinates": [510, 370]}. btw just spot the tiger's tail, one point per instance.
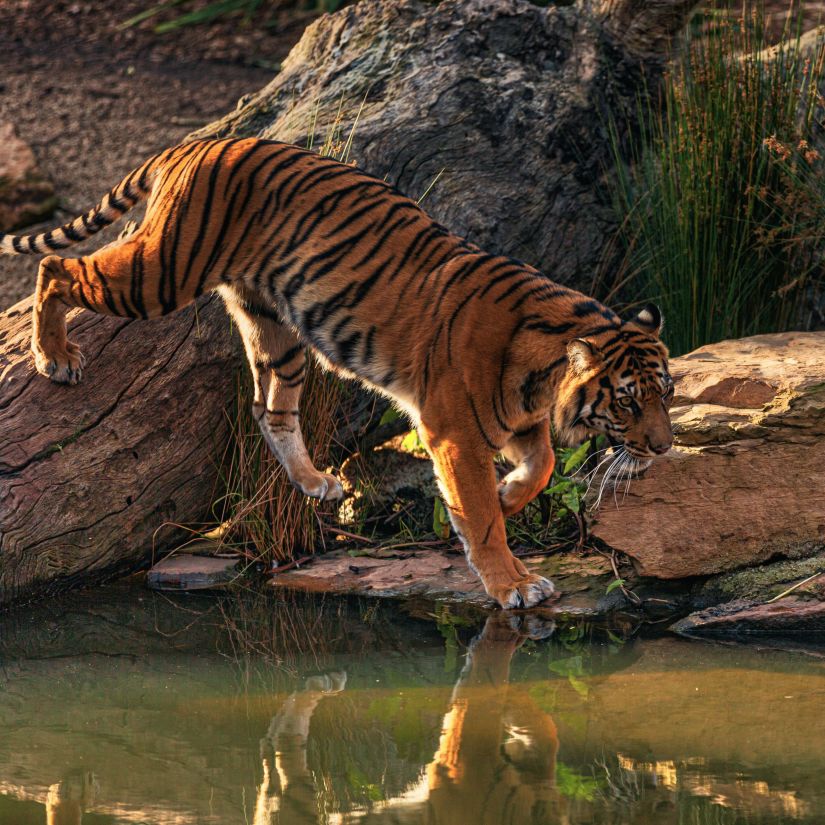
{"type": "Point", "coordinates": [134, 188]}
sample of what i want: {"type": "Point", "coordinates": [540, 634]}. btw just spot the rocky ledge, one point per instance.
{"type": "Point", "coordinates": [745, 482]}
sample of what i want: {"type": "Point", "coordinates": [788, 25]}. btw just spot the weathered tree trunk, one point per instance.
{"type": "Point", "coordinates": [92, 476]}
{"type": "Point", "coordinates": [510, 100]}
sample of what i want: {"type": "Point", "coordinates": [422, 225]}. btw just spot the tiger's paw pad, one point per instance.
{"type": "Point", "coordinates": [324, 487]}
{"type": "Point", "coordinates": [62, 369]}
{"type": "Point", "coordinates": [526, 592]}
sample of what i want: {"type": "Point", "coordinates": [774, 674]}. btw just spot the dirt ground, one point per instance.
{"type": "Point", "coordinates": [93, 100]}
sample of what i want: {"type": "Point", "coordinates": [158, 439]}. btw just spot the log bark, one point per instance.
{"type": "Point", "coordinates": [506, 101]}
{"type": "Point", "coordinates": [92, 477]}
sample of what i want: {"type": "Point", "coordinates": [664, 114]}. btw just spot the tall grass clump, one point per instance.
{"type": "Point", "coordinates": [710, 221]}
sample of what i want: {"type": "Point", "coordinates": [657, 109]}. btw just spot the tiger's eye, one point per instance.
{"type": "Point", "coordinates": [626, 401]}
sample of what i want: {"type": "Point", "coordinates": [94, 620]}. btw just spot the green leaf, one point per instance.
{"type": "Point", "coordinates": [576, 459]}
{"type": "Point", "coordinates": [572, 666]}
{"type": "Point", "coordinates": [412, 442]}
{"type": "Point", "coordinates": [441, 520]}
{"type": "Point", "coordinates": [571, 499]}
{"type": "Point", "coordinates": [390, 415]}
{"type": "Point", "coordinates": [614, 584]}
{"type": "Point", "coordinates": [579, 686]}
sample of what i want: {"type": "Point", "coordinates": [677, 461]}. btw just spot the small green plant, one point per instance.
{"type": "Point", "coordinates": [615, 584]}
{"type": "Point", "coordinates": [566, 491]}
{"type": "Point", "coordinates": [575, 785]}
{"type": "Point", "coordinates": [441, 519]}
{"type": "Point", "coordinates": [449, 624]}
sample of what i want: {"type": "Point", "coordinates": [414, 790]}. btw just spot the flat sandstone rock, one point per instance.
{"type": "Point", "coordinates": [745, 481]}
{"type": "Point", "coordinates": [187, 572]}
{"type": "Point", "coordinates": [789, 615]}
{"type": "Point", "coordinates": [433, 575]}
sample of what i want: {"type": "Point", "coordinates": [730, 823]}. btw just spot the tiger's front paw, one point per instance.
{"type": "Point", "coordinates": [62, 367]}
{"type": "Point", "coordinates": [323, 486]}
{"type": "Point", "coordinates": [525, 592]}
{"type": "Point", "coordinates": [333, 682]}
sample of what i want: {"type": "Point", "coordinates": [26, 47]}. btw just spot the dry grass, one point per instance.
{"type": "Point", "coordinates": [260, 511]}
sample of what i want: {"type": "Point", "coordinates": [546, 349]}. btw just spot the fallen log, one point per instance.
{"type": "Point", "coordinates": [93, 477]}
{"type": "Point", "coordinates": [505, 101]}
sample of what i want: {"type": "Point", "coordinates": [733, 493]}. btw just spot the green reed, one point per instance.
{"type": "Point", "coordinates": [710, 221]}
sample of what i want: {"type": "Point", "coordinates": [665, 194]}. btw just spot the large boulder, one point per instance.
{"type": "Point", "coordinates": [94, 478]}
{"type": "Point", "coordinates": [745, 481]}
{"type": "Point", "coordinates": [26, 195]}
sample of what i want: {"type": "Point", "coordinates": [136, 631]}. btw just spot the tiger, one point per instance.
{"type": "Point", "coordinates": [485, 354]}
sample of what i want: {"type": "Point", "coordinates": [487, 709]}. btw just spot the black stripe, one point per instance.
{"type": "Point", "coordinates": [136, 285]}
{"type": "Point", "coordinates": [480, 426]}
{"type": "Point", "coordinates": [289, 376]}
{"type": "Point", "coordinates": [104, 284]}
{"type": "Point", "coordinates": [206, 214]}
{"type": "Point", "coordinates": [549, 329]}
{"type": "Point", "coordinates": [286, 357]}
{"type": "Point", "coordinates": [450, 323]}
{"type": "Point", "coordinates": [72, 234]}
{"type": "Point", "coordinates": [580, 310]}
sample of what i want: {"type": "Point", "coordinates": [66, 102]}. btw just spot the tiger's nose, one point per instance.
{"type": "Point", "coordinates": [660, 448]}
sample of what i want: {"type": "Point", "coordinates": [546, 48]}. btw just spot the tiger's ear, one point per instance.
{"type": "Point", "coordinates": [649, 318]}
{"type": "Point", "coordinates": [583, 355]}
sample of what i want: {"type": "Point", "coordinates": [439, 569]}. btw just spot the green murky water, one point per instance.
{"type": "Point", "coordinates": [122, 706]}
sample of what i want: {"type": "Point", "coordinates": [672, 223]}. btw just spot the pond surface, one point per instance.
{"type": "Point", "coordinates": [122, 706]}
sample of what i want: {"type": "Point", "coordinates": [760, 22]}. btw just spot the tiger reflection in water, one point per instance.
{"type": "Point", "coordinates": [496, 757]}
{"type": "Point", "coordinates": [69, 798]}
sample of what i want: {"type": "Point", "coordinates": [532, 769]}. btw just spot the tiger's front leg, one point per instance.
{"type": "Point", "coordinates": [534, 459]}
{"type": "Point", "coordinates": [466, 476]}
{"type": "Point", "coordinates": [278, 364]}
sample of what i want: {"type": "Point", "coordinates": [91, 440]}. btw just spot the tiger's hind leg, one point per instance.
{"type": "Point", "coordinates": [278, 364]}
{"type": "Point", "coordinates": [123, 279]}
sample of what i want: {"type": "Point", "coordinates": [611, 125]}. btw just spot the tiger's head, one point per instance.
{"type": "Point", "coordinates": [617, 383]}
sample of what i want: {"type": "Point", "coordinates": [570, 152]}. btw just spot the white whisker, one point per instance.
{"type": "Point", "coordinates": [589, 458]}
{"type": "Point", "coordinates": [626, 461]}
{"type": "Point", "coordinates": [596, 468]}
{"type": "Point", "coordinates": [609, 472]}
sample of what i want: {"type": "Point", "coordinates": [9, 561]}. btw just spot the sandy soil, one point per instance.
{"type": "Point", "coordinates": [94, 100]}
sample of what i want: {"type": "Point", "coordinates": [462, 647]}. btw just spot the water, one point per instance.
{"type": "Point", "coordinates": [121, 706]}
